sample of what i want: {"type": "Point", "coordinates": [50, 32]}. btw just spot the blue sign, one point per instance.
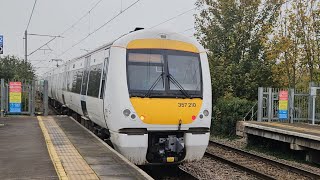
{"type": "Point", "coordinates": [15, 107]}
{"type": "Point", "coordinates": [1, 44]}
{"type": "Point", "coordinates": [283, 114]}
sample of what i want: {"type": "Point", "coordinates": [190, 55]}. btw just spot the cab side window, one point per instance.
{"type": "Point", "coordinates": [104, 77]}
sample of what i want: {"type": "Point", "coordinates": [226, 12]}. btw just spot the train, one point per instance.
{"type": "Point", "coordinates": [148, 92]}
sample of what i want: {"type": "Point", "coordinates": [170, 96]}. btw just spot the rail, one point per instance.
{"type": "Point", "coordinates": [288, 167]}
{"type": "Point", "coordinates": [239, 166]}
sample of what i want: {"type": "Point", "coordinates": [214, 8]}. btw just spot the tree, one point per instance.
{"type": "Point", "coordinates": [295, 44]}
{"type": "Point", "coordinates": [235, 32]}
{"type": "Point", "coordinates": [12, 67]}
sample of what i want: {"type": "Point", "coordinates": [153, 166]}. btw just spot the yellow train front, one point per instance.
{"type": "Point", "coordinates": [157, 99]}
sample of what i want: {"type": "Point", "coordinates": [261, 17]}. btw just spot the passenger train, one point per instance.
{"type": "Point", "coordinates": [148, 91]}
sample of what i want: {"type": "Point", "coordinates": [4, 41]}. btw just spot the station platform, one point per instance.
{"type": "Point", "coordinates": [58, 147]}
{"type": "Point", "coordinates": [300, 136]}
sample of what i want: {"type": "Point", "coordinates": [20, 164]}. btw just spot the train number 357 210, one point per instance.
{"type": "Point", "coordinates": [183, 105]}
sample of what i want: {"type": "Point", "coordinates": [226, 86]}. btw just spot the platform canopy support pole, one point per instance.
{"type": "Point", "coordinates": [3, 95]}
{"type": "Point", "coordinates": [313, 109]}
{"type": "Point", "coordinates": [291, 105]}
{"type": "Point", "coordinates": [33, 94]}
{"type": "Point", "coordinates": [270, 105]}
{"type": "Point", "coordinates": [45, 98]}
{"type": "Point", "coordinates": [260, 101]}
{"type": "Point", "coordinates": [313, 94]}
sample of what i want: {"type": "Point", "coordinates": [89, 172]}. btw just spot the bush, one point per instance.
{"type": "Point", "coordinates": [225, 114]}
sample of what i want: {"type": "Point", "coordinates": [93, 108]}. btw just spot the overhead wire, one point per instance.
{"type": "Point", "coordinates": [110, 20]}
{"type": "Point", "coordinates": [172, 18]}
{"type": "Point", "coordinates": [70, 27]}
{"type": "Point", "coordinates": [192, 28]}
{"type": "Point", "coordinates": [34, 5]}
{"type": "Point", "coordinates": [189, 29]}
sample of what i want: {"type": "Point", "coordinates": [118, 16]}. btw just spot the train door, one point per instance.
{"type": "Point", "coordinates": [64, 84]}
{"type": "Point", "coordinates": [84, 85]}
{"type": "Point", "coordinates": [103, 91]}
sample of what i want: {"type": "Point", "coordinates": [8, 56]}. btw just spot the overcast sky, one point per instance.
{"type": "Point", "coordinates": [54, 16]}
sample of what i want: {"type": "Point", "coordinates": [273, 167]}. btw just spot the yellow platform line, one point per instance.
{"type": "Point", "coordinates": [52, 152]}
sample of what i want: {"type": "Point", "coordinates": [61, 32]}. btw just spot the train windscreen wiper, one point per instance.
{"type": "Point", "coordinates": [154, 85]}
{"type": "Point", "coordinates": [176, 83]}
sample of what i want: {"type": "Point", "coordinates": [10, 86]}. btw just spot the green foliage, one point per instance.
{"type": "Point", "coordinates": [235, 32]}
{"type": "Point", "coordinates": [12, 67]}
{"type": "Point", "coordinates": [226, 112]}
{"type": "Point", "coordinates": [295, 45]}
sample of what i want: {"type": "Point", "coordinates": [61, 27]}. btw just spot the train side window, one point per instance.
{"type": "Point", "coordinates": [74, 82]}
{"type": "Point", "coordinates": [94, 80]}
{"type": "Point", "coordinates": [104, 77]}
{"type": "Point", "coordinates": [65, 80]}
{"type": "Point", "coordinates": [69, 85]}
{"type": "Point", "coordinates": [79, 80]}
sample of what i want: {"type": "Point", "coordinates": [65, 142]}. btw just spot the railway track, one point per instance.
{"type": "Point", "coordinates": [261, 167]}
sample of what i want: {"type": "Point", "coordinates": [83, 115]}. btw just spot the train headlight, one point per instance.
{"type": "Point", "coordinates": [206, 112]}
{"type": "Point", "coordinates": [126, 112]}
{"type": "Point", "coordinates": [142, 118]}
{"type": "Point", "coordinates": [133, 116]}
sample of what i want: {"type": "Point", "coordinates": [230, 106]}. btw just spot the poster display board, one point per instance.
{"type": "Point", "coordinates": [15, 97]}
{"type": "Point", "coordinates": [283, 105]}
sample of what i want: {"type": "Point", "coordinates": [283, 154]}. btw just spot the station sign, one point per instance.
{"type": "Point", "coordinates": [1, 44]}
{"type": "Point", "coordinates": [15, 97]}
{"type": "Point", "coordinates": [283, 105]}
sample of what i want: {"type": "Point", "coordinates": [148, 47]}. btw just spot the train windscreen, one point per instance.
{"type": "Point", "coordinates": [164, 73]}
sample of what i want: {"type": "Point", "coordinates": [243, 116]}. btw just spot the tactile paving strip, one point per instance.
{"type": "Point", "coordinates": [73, 163]}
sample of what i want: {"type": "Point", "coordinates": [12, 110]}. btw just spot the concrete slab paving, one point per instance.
{"type": "Point", "coordinates": [299, 136]}
{"type": "Point", "coordinates": [23, 151]}
{"type": "Point", "coordinates": [103, 160]}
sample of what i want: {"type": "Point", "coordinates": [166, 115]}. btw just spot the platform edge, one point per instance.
{"type": "Point", "coordinates": [144, 174]}
{"type": "Point", "coordinates": [52, 152]}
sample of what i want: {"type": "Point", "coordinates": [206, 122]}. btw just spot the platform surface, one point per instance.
{"type": "Point", "coordinates": [56, 147]}
{"type": "Point", "coordinates": [298, 129]}
{"type": "Point", "coordinates": [23, 152]}
{"type": "Point", "coordinates": [75, 145]}
{"type": "Point", "coordinates": [299, 135]}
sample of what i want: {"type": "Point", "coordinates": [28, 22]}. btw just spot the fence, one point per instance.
{"type": "Point", "coordinates": [302, 105]}
{"type": "Point", "coordinates": [23, 97]}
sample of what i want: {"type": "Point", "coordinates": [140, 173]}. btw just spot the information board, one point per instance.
{"type": "Point", "coordinates": [15, 97]}
{"type": "Point", "coordinates": [1, 44]}
{"type": "Point", "coordinates": [283, 105]}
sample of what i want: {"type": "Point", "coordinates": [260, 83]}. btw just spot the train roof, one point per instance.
{"type": "Point", "coordinates": [125, 39]}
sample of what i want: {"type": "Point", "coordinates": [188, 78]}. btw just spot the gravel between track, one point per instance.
{"type": "Point", "coordinates": [241, 144]}
{"type": "Point", "coordinates": [211, 169]}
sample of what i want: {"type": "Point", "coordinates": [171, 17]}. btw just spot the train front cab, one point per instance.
{"type": "Point", "coordinates": [170, 93]}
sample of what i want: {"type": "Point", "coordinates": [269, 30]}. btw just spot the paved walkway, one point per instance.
{"type": "Point", "coordinates": [103, 160]}
{"type": "Point", "coordinates": [23, 152]}
{"type": "Point", "coordinates": [296, 127]}
{"type": "Point", "coordinates": [58, 148]}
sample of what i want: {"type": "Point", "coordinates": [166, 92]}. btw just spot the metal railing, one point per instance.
{"type": "Point", "coordinates": [303, 106]}
{"type": "Point", "coordinates": [252, 112]}
{"type": "Point", "coordinates": [33, 98]}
